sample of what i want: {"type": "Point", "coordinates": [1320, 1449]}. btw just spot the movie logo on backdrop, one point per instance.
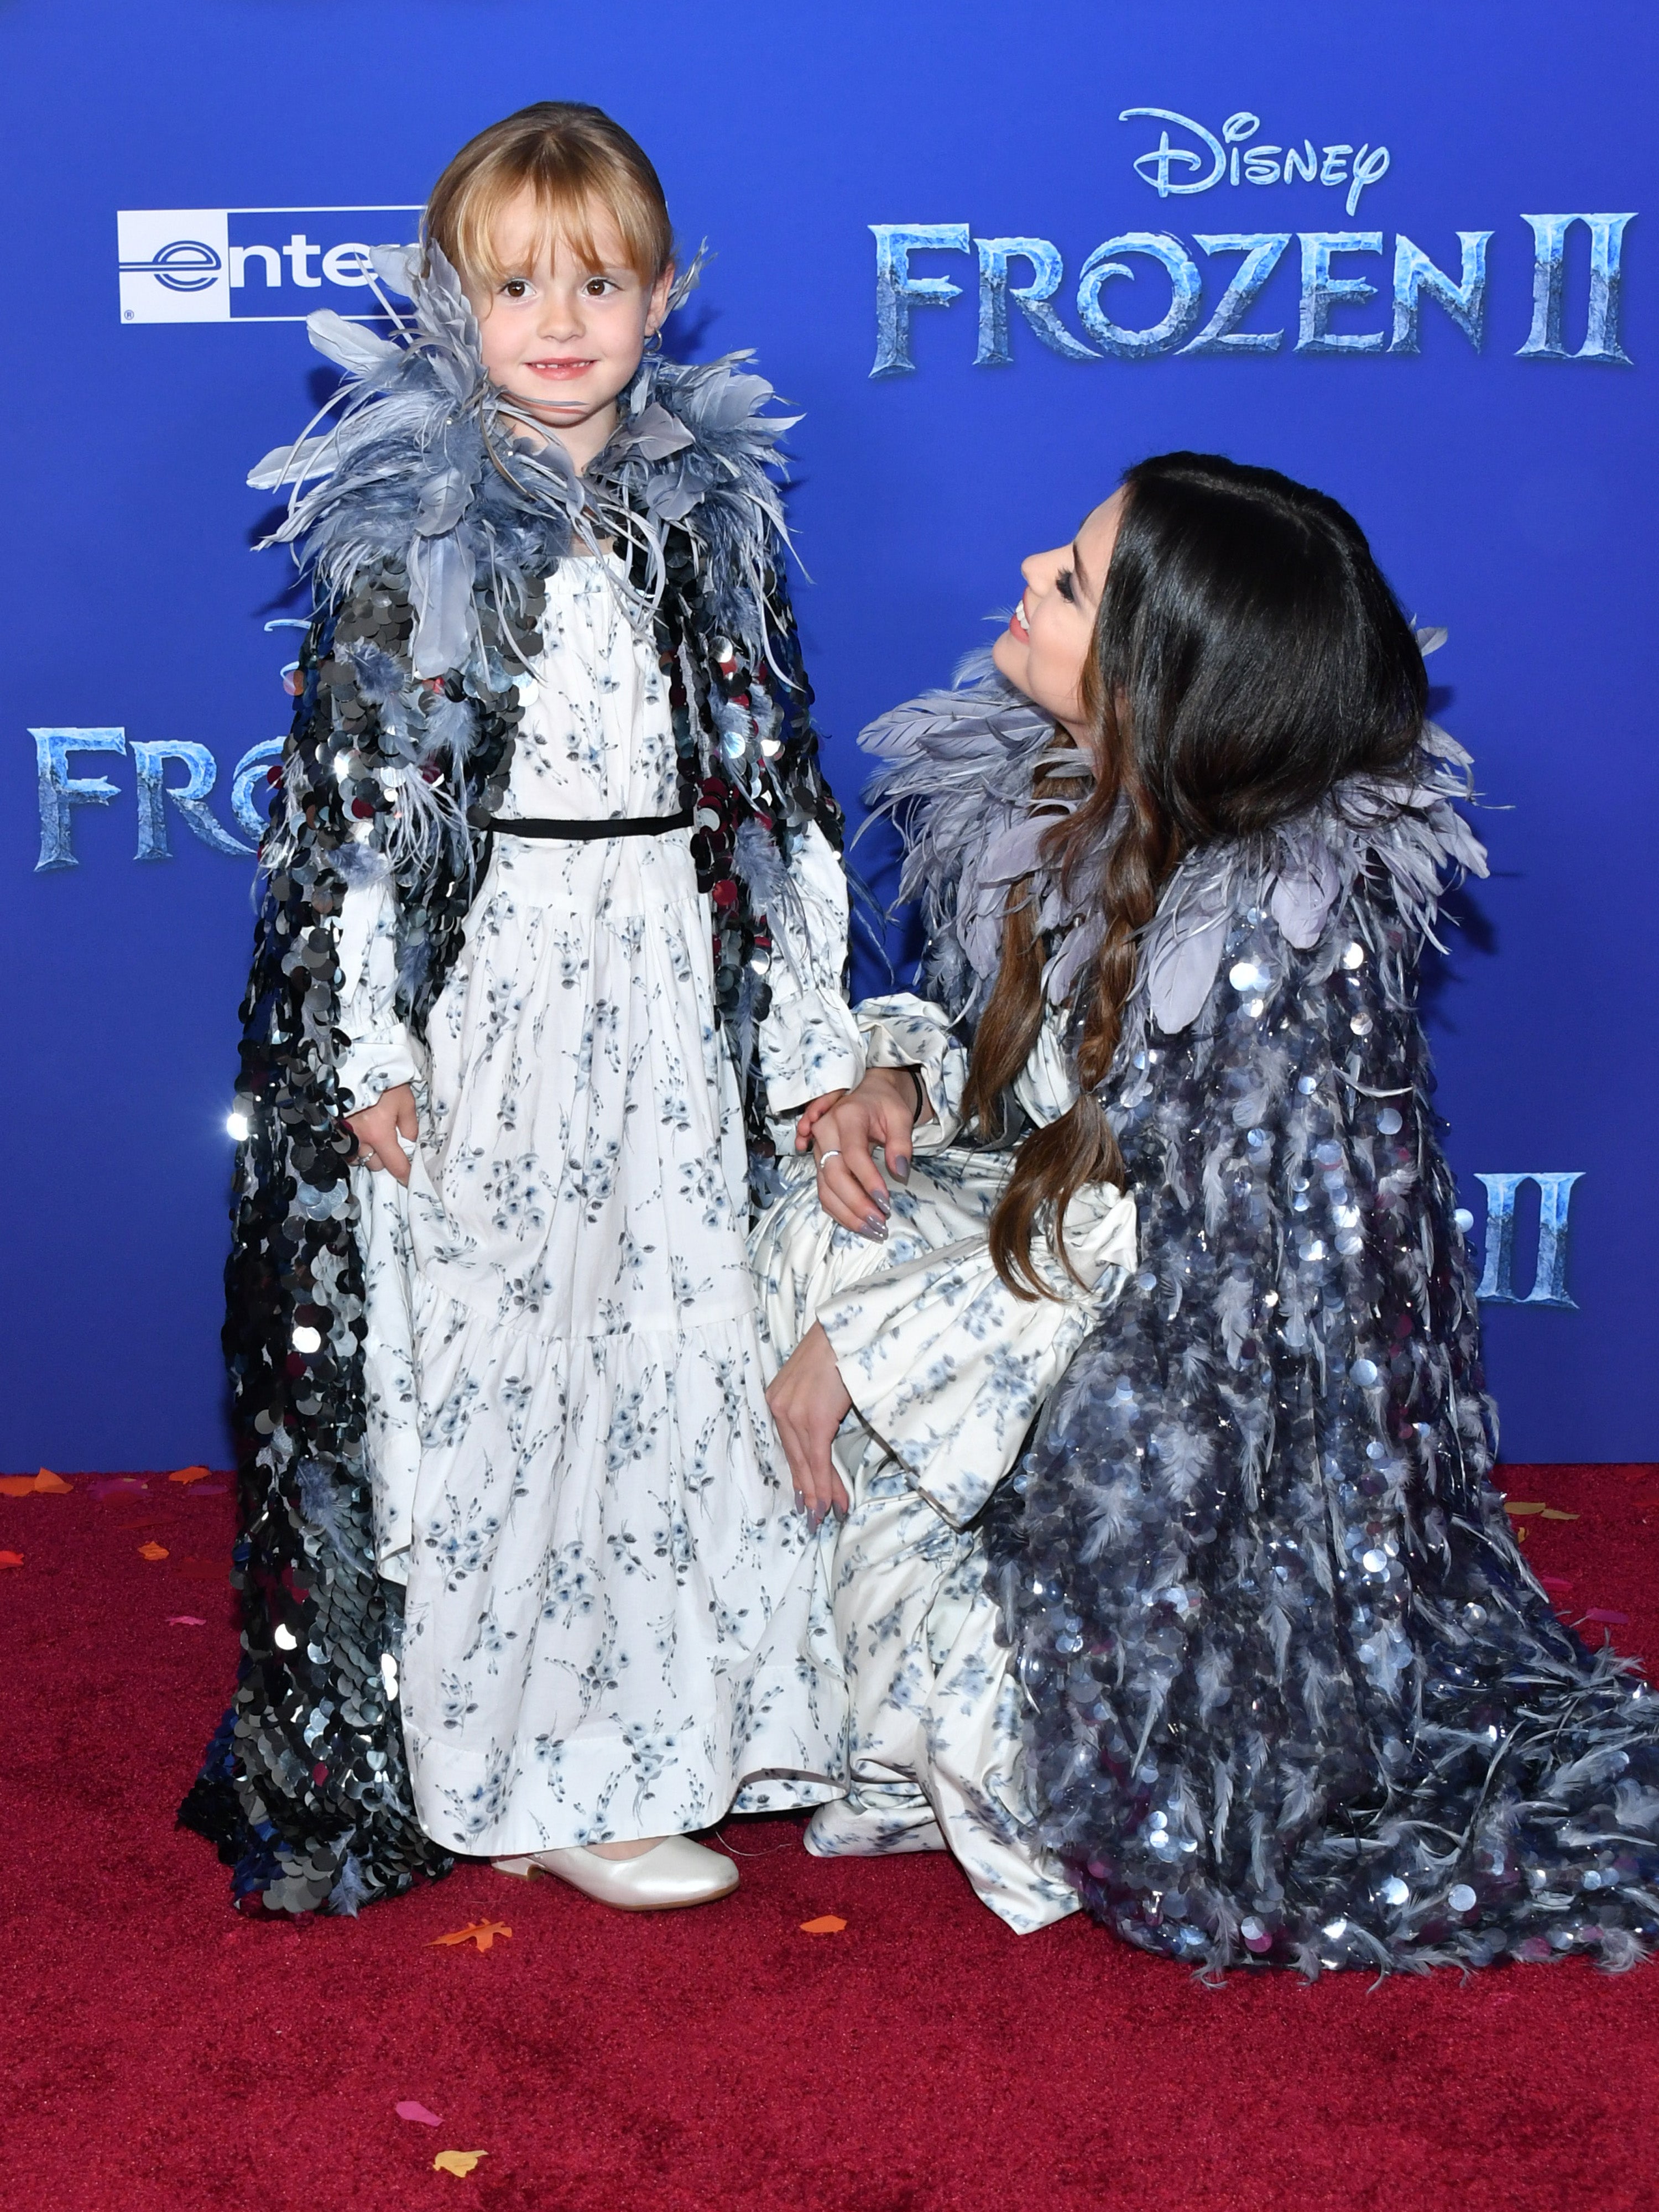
{"type": "Point", "coordinates": [1217, 278]}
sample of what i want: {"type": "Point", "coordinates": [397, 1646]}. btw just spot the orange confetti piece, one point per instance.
{"type": "Point", "coordinates": [1555, 1513]}
{"type": "Point", "coordinates": [189, 1475]}
{"type": "Point", "coordinates": [1514, 1506]}
{"type": "Point", "coordinates": [481, 1932]}
{"type": "Point", "coordinates": [152, 1551]}
{"type": "Point", "coordinates": [11, 1558]}
{"type": "Point", "coordinates": [457, 2162]}
{"type": "Point", "coordinates": [827, 1924]}
{"type": "Point", "coordinates": [44, 1485]}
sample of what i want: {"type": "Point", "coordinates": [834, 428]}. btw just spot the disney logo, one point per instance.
{"type": "Point", "coordinates": [1236, 157]}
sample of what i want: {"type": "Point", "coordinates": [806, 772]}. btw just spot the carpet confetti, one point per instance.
{"type": "Point", "coordinates": [481, 1932]}
{"type": "Point", "coordinates": [152, 1551]}
{"type": "Point", "coordinates": [185, 1621]}
{"type": "Point", "coordinates": [11, 1558]}
{"type": "Point", "coordinates": [457, 2162]}
{"type": "Point", "coordinates": [189, 1475]}
{"type": "Point", "coordinates": [410, 2110]}
{"type": "Point", "coordinates": [827, 1924]}
{"type": "Point", "coordinates": [44, 1485]}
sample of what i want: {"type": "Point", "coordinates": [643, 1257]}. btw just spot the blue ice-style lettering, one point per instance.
{"type": "Point", "coordinates": [151, 761]}
{"type": "Point", "coordinates": [1414, 273]}
{"type": "Point", "coordinates": [1262, 251]}
{"type": "Point", "coordinates": [1321, 292]}
{"type": "Point", "coordinates": [248, 779]}
{"type": "Point", "coordinates": [1185, 296]}
{"type": "Point", "coordinates": [60, 791]}
{"type": "Point", "coordinates": [1032, 299]}
{"type": "Point", "coordinates": [897, 291]}
{"type": "Point", "coordinates": [1549, 1288]}
{"type": "Point", "coordinates": [1549, 281]}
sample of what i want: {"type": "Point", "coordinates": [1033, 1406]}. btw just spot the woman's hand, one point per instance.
{"type": "Point", "coordinates": [843, 1127]}
{"type": "Point", "coordinates": [809, 1402]}
{"type": "Point", "coordinates": [379, 1127]}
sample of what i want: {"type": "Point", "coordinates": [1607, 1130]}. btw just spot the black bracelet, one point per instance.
{"type": "Point", "coordinates": [915, 1074]}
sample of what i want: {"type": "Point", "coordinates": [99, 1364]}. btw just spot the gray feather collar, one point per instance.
{"type": "Point", "coordinates": [428, 467]}
{"type": "Point", "coordinates": [958, 767]}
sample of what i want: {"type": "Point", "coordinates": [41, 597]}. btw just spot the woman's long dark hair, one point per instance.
{"type": "Point", "coordinates": [1248, 656]}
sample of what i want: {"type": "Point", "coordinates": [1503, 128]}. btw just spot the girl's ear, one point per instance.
{"type": "Point", "coordinates": [656, 314]}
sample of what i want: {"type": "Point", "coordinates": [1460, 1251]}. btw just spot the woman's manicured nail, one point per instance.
{"type": "Point", "coordinates": [874, 1228]}
{"type": "Point", "coordinates": [800, 1503]}
{"type": "Point", "coordinates": [883, 1204]}
{"type": "Point", "coordinates": [899, 1170]}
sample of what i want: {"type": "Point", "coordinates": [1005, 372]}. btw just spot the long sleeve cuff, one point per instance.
{"type": "Point", "coordinates": [902, 1030]}
{"type": "Point", "coordinates": [808, 1045]}
{"type": "Point", "coordinates": [379, 1053]}
{"type": "Point", "coordinates": [948, 1368]}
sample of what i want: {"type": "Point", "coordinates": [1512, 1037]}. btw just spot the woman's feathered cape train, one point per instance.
{"type": "Point", "coordinates": [1292, 1694]}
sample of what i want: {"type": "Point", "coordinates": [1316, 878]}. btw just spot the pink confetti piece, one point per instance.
{"type": "Point", "coordinates": [1556, 1581]}
{"type": "Point", "coordinates": [116, 1485]}
{"type": "Point", "coordinates": [185, 1620]}
{"type": "Point", "coordinates": [409, 2110]}
{"type": "Point", "coordinates": [1608, 1619]}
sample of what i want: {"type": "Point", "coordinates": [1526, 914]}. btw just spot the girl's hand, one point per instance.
{"type": "Point", "coordinates": [809, 1402]}
{"type": "Point", "coordinates": [843, 1129]}
{"type": "Point", "coordinates": [379, 1127]}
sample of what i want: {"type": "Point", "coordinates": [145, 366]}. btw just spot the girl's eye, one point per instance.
{"type": "Point", "coordinates": [1065, 586]}
{"type": "Point", "coordinates": [517, 287]}
{"type": "Point", "coordinates": [597, 287]}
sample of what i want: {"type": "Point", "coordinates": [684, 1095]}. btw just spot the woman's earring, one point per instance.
{"type": "Point", "coordinates": [654, 344]}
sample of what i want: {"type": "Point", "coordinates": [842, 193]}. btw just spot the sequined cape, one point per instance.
{"type": "Point", "coordinates": [1293, 1695]}
{"type": "Point", "coordinates": [305, 1789]}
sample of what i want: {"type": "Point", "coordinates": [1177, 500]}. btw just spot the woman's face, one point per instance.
{"type": "Point", "coordinates": [1045, 649]}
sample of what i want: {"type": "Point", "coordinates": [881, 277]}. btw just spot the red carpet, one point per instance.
{"type": "Point", "coordinates": [161, 2055]}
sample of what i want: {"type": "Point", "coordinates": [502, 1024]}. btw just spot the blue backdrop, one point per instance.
{"type": "Point", "coordinates": [1490, 425]}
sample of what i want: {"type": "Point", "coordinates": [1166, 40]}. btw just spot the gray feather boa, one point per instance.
{"type": "Point", "coordinates": [430, 473]}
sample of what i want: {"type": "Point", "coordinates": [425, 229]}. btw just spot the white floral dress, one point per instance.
{"type": "Point", "coordinates": [616, 1622]}
{"type": "Point", "coordinates": [946, 1370]}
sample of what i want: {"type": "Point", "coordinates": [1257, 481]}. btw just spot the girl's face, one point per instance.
{"type": "Point", "coordinates": [561, 337]}
{"type": "Point", "coordinates": [1045, 649]}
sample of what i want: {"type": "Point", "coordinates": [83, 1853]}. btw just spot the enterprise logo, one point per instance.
{"type": "Point", "coordinates": [252, 264]}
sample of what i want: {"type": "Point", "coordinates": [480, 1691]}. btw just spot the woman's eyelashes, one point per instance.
{"type": "Point", "coordinates": [1066, 585]}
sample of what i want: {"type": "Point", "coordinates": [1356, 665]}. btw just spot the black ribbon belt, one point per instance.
{"type": "Point", "coordinates": [581, 832]}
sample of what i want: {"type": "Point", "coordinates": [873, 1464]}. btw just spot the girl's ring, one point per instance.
{"type": "Point", "coordinates": [834, 1153]}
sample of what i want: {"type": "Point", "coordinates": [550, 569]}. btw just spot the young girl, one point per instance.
{"type": "Point", "coordinates": [492, 1331]}
{"type": "Point", "coordinates": [1269, 1679]}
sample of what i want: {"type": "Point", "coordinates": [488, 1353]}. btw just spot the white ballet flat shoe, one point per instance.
{"type": "Point", "coordinates": [671, 1875]}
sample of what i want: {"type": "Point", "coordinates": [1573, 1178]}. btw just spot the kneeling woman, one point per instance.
{"type": "Point", "coordinates": [1235, 1648]}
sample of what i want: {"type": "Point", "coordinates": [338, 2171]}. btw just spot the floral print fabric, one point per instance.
{"type": "Point", "coordinates": [615, 1623]}
{"type": "Point", "coordinates": [946, 1370]}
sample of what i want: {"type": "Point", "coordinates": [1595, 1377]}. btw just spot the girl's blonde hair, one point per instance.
{"type": "Point", "coordinates": [575, 161]}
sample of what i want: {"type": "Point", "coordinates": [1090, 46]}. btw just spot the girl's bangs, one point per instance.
{"type": "Point", "coordinates": [568, 210]}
